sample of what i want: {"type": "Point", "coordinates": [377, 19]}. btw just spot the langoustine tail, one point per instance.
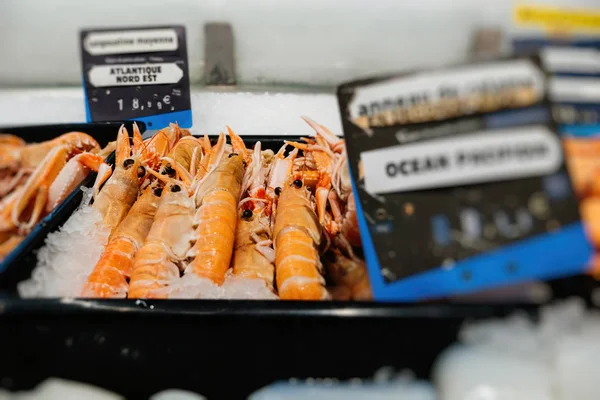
{"type": "Point", "coordinates": [297, 236]}
{"type": "Point", "coordinates": [299, 268]}
{"type": "Point", "coordinates": [109, 277]}
{"type": "Point", "coordinates": [153, 273]}
{"type": "Point", "coordinates": [216, 220]}
{"type": "Point", "coordinates": [253, 256]}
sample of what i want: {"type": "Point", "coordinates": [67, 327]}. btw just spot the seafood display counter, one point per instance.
{"type": "Point", "coordinates": [198, 217]}
{"type": "Point", "coordinates": [192, 327]}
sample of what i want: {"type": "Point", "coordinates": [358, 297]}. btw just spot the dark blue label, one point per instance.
{"type": "Point", "coordinates": [424, 244]}
{"type": "Point", "coordinates": [137, 74]}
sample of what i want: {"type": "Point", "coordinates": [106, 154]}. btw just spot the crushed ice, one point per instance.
{"type": "Point", "coordinates": [68, 255]}
{"type": "Point", "coordinates": [194, 287]}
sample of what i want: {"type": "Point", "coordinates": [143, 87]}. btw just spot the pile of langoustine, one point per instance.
{"type": "Point", "coordinates": [36, 177]}
{"type": "Point", "coordinates": [187, 217]}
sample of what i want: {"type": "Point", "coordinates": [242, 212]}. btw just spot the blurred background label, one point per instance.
{"type": "Point", "coordinates": [459, 230]}
{"type": "Point", "coordinates": [558, 19]}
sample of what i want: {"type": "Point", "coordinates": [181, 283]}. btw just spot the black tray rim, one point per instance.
{"type": "Point", "coordinates": [68, 126]}
{"type": "Point", "coordinates": [347, 310]}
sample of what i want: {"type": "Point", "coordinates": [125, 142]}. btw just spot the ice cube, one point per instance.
{"type": "Point", "coordinates": [243, 288]}
{"type": "Point", "coordinates": [191, 286]}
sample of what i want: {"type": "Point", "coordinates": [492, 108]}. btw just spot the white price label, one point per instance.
{"type": "Point", "coordinates": [479, 157]}
{"type": "Point", "coordinates": [431, 87]}
{"type": "Point", "coordinates": [135, 74]}
{"type": "Point", "coordinates": [574, 89]}
{"type": "Point", "coordinates": [571, 59]}
{"type": "Point", "coordinates": [131, 41]}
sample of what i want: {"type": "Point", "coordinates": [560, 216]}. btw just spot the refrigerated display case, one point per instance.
{"type": "Point", "coordinates": [288, 60]}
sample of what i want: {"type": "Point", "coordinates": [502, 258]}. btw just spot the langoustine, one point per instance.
{"type": "Point", "coordinates": [110, 275]}
{"type": "Point", "coordinates": [205, 267]}
{"type": "Point", "coordinates": [325, 169]}
{"type": "Point", "coordinates": [34, 167]}
{"type": "Point", "coordinates": [224, 213]}
{"type": "Point", "coordinates": [38, 193]}
{"type": "Point", "coordinates": [253, 256]}
{"type": "Point", "coordinates": [99, 223]}
{"type": "Point", "coordinates": [70, 254]}
{"type": "Point", "coordinates": [158, 262]}
{"type": "Point", "coordinates": [19, 159]}
{"type": "Point", "coordinates": [32, 184]}
{"type": "Point", "coordinates": [297, 235]}
{"type": "Point", "coordinates": [216, 219]}
{"type": "Point", "coordinates": [162, 143]}
{"type": "Point", "coordinates": [121, 189]}
{"type": "Point", "coordinates": [184, 215]}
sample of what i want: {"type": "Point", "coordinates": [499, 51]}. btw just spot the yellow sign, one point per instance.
{"type": "Point", "coordinates": [558, 19]}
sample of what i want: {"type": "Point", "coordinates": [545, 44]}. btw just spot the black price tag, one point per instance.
{"type": "Point", "coordinates": [137, 73]}
{"type": "Point", "coordinates": [461, 180]}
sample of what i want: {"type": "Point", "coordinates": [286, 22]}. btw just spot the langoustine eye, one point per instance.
{"type": "Point", "coordinates": [247, 213]}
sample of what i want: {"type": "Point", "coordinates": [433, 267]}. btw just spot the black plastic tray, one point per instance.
{"type": "Point", "coordinates": [221, 349]}
{"type": "Point", "coordinates": [12, 267]}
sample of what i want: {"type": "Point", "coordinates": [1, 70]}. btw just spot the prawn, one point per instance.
{"type": "Point", "coordinates": [216, 218]}
{"type": "Point", "coordinates": [121, 189]}
{"type": "Point", "coordinates": [253, 255]}
{"type": "Point", "coordinates": [282, 167]}
{"type": "Point", "coordinates": [162, 142]}
{"type": "Point", "coordinates": [109, 277]}
{"type": "Point", "coordinates": [339, 220]}
{"type": "Point", "coordinates": [348, 271]}
{"type": "Point", "coordinates": [297, 234]}
{"type": "Point", "coordinates": [157, 264]}
{"type": "Point", "coordinates": [49, 183]}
